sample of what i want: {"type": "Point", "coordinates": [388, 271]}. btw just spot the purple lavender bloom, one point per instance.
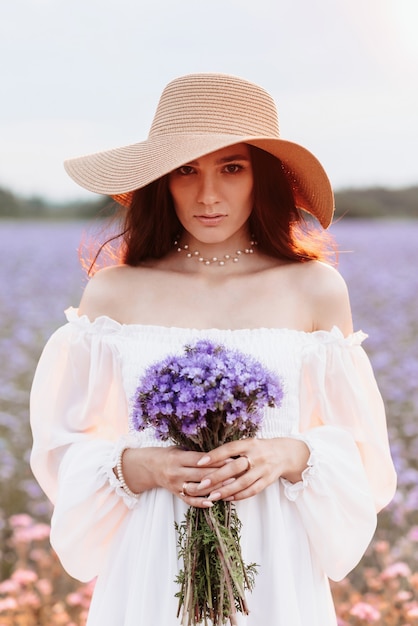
{"type": "Point", "coordinates": [205, 397]}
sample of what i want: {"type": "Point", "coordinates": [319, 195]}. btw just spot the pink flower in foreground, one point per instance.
{"type": "Point", "coordinates": [40, 532]}
{"type": "Point", "coordinates": [396, 569]}
{"type": "Point", "coordinates": [20, 520]}
{"type": "Point", "coordinates": [8, 604]}
{"type": "Point", "coordinates": [44, 586]}
{"type": "Point", "coordinates": [37, 532]}
{"type": "Point", "coordinates": [403, 596]}
{"type": "Point", "coordinates": [24, 576]}
{"type": "Point", "coordinates": [75, 599]}
{"type": "Point", "coordinates": [365, 611]}
{"type": "Point", "coordinates": [381, 547]}
{"type": "Point", "coordinates": [9, 586]}
{"type": "Point", "coordinates": [22, 534]}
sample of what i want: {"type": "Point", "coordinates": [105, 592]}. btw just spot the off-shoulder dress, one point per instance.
{"type": "Point", "coordinates": [299, 534]}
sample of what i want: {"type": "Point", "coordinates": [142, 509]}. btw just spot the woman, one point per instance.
{"type": "Point", "coordinates": [214, 246]}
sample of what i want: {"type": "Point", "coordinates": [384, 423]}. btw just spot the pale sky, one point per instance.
{"type": "Point", "coordinates": [79, 76]}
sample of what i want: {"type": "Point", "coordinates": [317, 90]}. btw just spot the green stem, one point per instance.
{"type": "Point", "coordinates": [224, 551]}
{"type": "Point", "coordinates": [208, 578]}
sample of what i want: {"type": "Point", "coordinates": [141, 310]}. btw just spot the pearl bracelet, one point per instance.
{"type": "Point", "coordinates": [121, 477]}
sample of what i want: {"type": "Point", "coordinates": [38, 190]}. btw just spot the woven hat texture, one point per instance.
{"type": "Point", "coordinates": [198, 114]}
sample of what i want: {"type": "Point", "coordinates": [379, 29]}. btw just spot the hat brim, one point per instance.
{"type": "Point", "coordinates": [120, 171]}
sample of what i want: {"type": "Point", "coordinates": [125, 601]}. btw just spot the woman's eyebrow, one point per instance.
{"type": "Point", "coordinates": [226, 159]}
{"type": "Point", "coordinates": [233, 157]}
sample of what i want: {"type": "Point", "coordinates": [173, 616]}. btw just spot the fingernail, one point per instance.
{"type": "Point", "coordinates": [215, 495]}
{"type": "Point", "coordinates": [207, 503]}
{"type": "Point", "coordinates": [230, 499]}
{"type": "Point", "coordinates": [204, 483]}
{"type": "Point", "coordinates": [204, 460]}
{"type": "Point", "coordinates": [228, 482]}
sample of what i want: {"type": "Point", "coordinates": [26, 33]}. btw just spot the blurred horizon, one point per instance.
{"type": "Point", "coordinates": [373, 202]}
{"type": "Point", "coordinates": [88, 196]}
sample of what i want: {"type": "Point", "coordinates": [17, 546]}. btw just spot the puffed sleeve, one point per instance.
{"type": "Point", "coordinates": [78, 417]}
{"type": "Point", "coordinates": [350, 474]}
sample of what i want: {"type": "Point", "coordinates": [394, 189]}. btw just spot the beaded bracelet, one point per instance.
{"type": "Point", "coordinates": [121, 477]}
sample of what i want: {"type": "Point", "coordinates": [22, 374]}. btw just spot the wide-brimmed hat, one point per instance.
{"type": "Point", "coordinates": [198, 114]}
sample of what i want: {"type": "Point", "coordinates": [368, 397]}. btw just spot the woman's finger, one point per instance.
{"type": "Point", "coordinates": [223, 453]}
{"type": "Point", "coordinates": [251, 490]}
{"type": "Point", "coordinates": [222, 476]}
{"type": "Point", "coordinates": [252, 480]}
{"type": "Point", "coordinates": [200, 502]}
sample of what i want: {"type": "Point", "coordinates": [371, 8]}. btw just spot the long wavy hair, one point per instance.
{"type": "Point", "coordinates": [148, 229]}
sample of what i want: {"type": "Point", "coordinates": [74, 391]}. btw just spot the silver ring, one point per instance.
{"type": "Point", "coordinates": [183, 492]}
{"type": "Point", "coordinates": [250, 463]}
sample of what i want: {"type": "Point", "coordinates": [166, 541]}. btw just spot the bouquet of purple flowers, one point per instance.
{"type": "Point", "coordinates": [206, 397]}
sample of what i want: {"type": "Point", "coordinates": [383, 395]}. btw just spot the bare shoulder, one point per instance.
{"type": "Point", "coordinates": [328, 294]}
{"type": "Point", "coordinates": [105, 290]}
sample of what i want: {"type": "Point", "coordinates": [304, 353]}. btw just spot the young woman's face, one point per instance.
{"type": "Point", "coordinates": [213, 195]}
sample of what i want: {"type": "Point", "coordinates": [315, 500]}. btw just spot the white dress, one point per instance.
{"type": "Point", "coordinates": [299, 534]}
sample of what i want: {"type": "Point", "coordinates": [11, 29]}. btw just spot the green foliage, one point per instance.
{"type": "Point", "coordinates": [214, 578]}
{"type": "Point", "coordinates": [13, 206]}
{"type": "Point", "coordinates": [377, 202]}
{"type": "Point", "coordinates": [10, 206]}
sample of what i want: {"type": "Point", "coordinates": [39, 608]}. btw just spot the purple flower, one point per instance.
{"type": "Point", "coordinates": [205, 397]}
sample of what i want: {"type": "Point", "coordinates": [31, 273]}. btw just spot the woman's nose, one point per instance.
{"type": "Point", "coordinates": [208, 191]}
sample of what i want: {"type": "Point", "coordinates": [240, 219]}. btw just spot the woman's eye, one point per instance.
{"type": "Point", "coordinates": [233, 168]}
{"type": "Point", "coordinates": [185, 170]}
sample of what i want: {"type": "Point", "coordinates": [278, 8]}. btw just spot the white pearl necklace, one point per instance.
{"type": "Point", "coordinates": [218, 260]}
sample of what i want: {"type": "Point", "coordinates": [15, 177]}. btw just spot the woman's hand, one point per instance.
{"type": "Point", "coordinates": [243, 468]}
{"type": "Point", "coordinates": [234, 471]}
{"type": "Point", "coordinates": [167, 467]}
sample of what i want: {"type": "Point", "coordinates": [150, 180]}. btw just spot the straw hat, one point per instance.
{"type": "Point", "coordinates": [198, 114]}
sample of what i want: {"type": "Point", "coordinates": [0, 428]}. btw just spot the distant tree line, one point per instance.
{"type": "Point", "coordinates": [14, 206]}
{"type": "Point", "coordinates": [377, 202]}
{"type": "Point", "coordinates": [373, 202]}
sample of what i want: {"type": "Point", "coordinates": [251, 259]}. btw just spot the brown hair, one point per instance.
{"type": "Point", "coordinates": [280, 228]}
{"type": "Point", "coordinates": [151, 226]}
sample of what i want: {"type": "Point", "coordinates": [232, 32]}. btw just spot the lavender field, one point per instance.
{"type": "Point", "coordinates": [40, 277]}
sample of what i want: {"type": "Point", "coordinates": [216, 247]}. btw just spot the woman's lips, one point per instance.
{"type": "Point", "coordinates": [210, 220]}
